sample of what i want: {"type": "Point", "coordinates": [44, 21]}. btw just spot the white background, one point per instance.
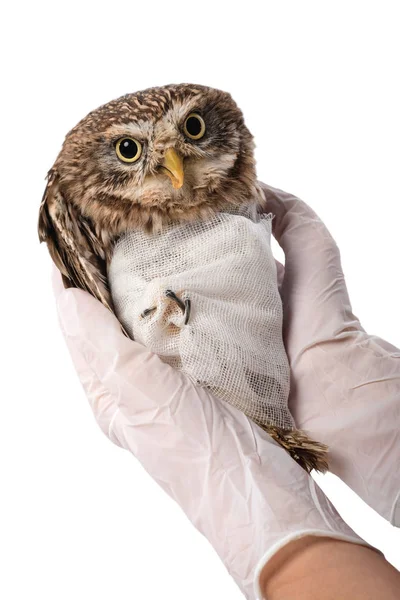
{"type": "Point", "coordinates": [317, 82]}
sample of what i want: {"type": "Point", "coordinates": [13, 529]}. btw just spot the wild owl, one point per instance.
{"type": "Point", "coordinates": [147, 162]}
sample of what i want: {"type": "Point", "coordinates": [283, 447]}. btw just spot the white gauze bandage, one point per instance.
{"type": "Point", "coordinates": [232, 341]}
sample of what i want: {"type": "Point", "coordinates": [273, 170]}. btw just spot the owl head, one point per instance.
{"type": "Point", "coordinates": [166, 154]}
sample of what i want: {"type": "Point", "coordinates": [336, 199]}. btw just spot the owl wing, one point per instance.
{"type": "Point", "coordinates": [73, 244]}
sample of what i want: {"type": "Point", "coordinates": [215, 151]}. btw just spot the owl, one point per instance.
{"type": "Point", "coordinates": [151, 159]}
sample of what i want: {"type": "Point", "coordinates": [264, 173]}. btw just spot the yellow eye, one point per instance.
{"type": "Point", "coordinates": [128, 150]}
{"type": "Point", "coordinates": [194, 126]}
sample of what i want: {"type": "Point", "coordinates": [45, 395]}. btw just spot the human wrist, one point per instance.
{"type": "Point", "coordinates": [313, 567]}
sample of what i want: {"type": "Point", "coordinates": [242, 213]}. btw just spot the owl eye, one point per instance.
{"type": "Point", "coordinates": [194, 126]}
{"type": "Point", "coordinates": [128, 150]}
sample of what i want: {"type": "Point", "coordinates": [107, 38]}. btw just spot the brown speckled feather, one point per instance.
{"type": "Point", "coordinates": [73, 244]}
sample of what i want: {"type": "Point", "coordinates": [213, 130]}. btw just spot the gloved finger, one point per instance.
{"type": "Point", "coordinates": [101, 402]}
{"type": "Point", "coordinates": [347, 395]}
{"type": "Point", "coordinates": [57, 282]}
{"type": "Point", "coordinates": [314, 293]}
{"type": "Point", "coordinates": [291, 213]}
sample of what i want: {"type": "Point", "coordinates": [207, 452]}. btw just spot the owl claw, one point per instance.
{"type": "Point", "coordinates": [187, 311]}
{"type": "Point", "coordinates": [147, 312]}
{"type": "Point", "coordinates": [184, 306]}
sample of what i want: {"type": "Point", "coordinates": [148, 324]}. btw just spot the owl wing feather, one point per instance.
{"type": "Point", "coordinates": [73, 244]}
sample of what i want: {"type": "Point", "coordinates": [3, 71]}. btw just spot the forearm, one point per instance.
{"type": "Point", "coordinates": [322, 568]}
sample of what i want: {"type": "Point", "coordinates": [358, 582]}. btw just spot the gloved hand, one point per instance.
{"type": "Point", "coordinates": [345, 387]}
{"type": "Point", "coordinates": [236, 485]}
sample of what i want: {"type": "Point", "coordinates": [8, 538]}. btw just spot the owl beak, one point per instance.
{"type": "Point", "coordinates": [173, 167]}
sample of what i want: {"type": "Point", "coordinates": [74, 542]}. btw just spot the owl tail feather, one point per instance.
{"type": "Point", "coordinates": [308, 453]}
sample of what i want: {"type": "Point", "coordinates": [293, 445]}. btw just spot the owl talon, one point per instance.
{"type": "Point", "coordinates": [184, 306]}
{"type": "Point", "coordinates": [147, 312]}
{"type": "Point", "coordinates": [173, 296]}
{"type": "Point", "coordinates": [187, 310]}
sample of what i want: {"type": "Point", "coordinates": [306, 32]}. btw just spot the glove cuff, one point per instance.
{"type": "Point", "coordinates": [272, 551]}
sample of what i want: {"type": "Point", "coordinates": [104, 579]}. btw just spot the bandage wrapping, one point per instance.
{"type": "Point", "coordinates": [229, 339]}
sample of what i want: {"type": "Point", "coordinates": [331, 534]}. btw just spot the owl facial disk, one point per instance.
{"type": "Point", "coordinates": [166, 154]}
{"type": "Point", "coordinates": [172, 166]}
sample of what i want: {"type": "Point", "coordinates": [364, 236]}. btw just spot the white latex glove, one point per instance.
{"type": "Point", "coordinates": [237, 486]}
{"type": "Point", "coordinates": [345, 387]}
